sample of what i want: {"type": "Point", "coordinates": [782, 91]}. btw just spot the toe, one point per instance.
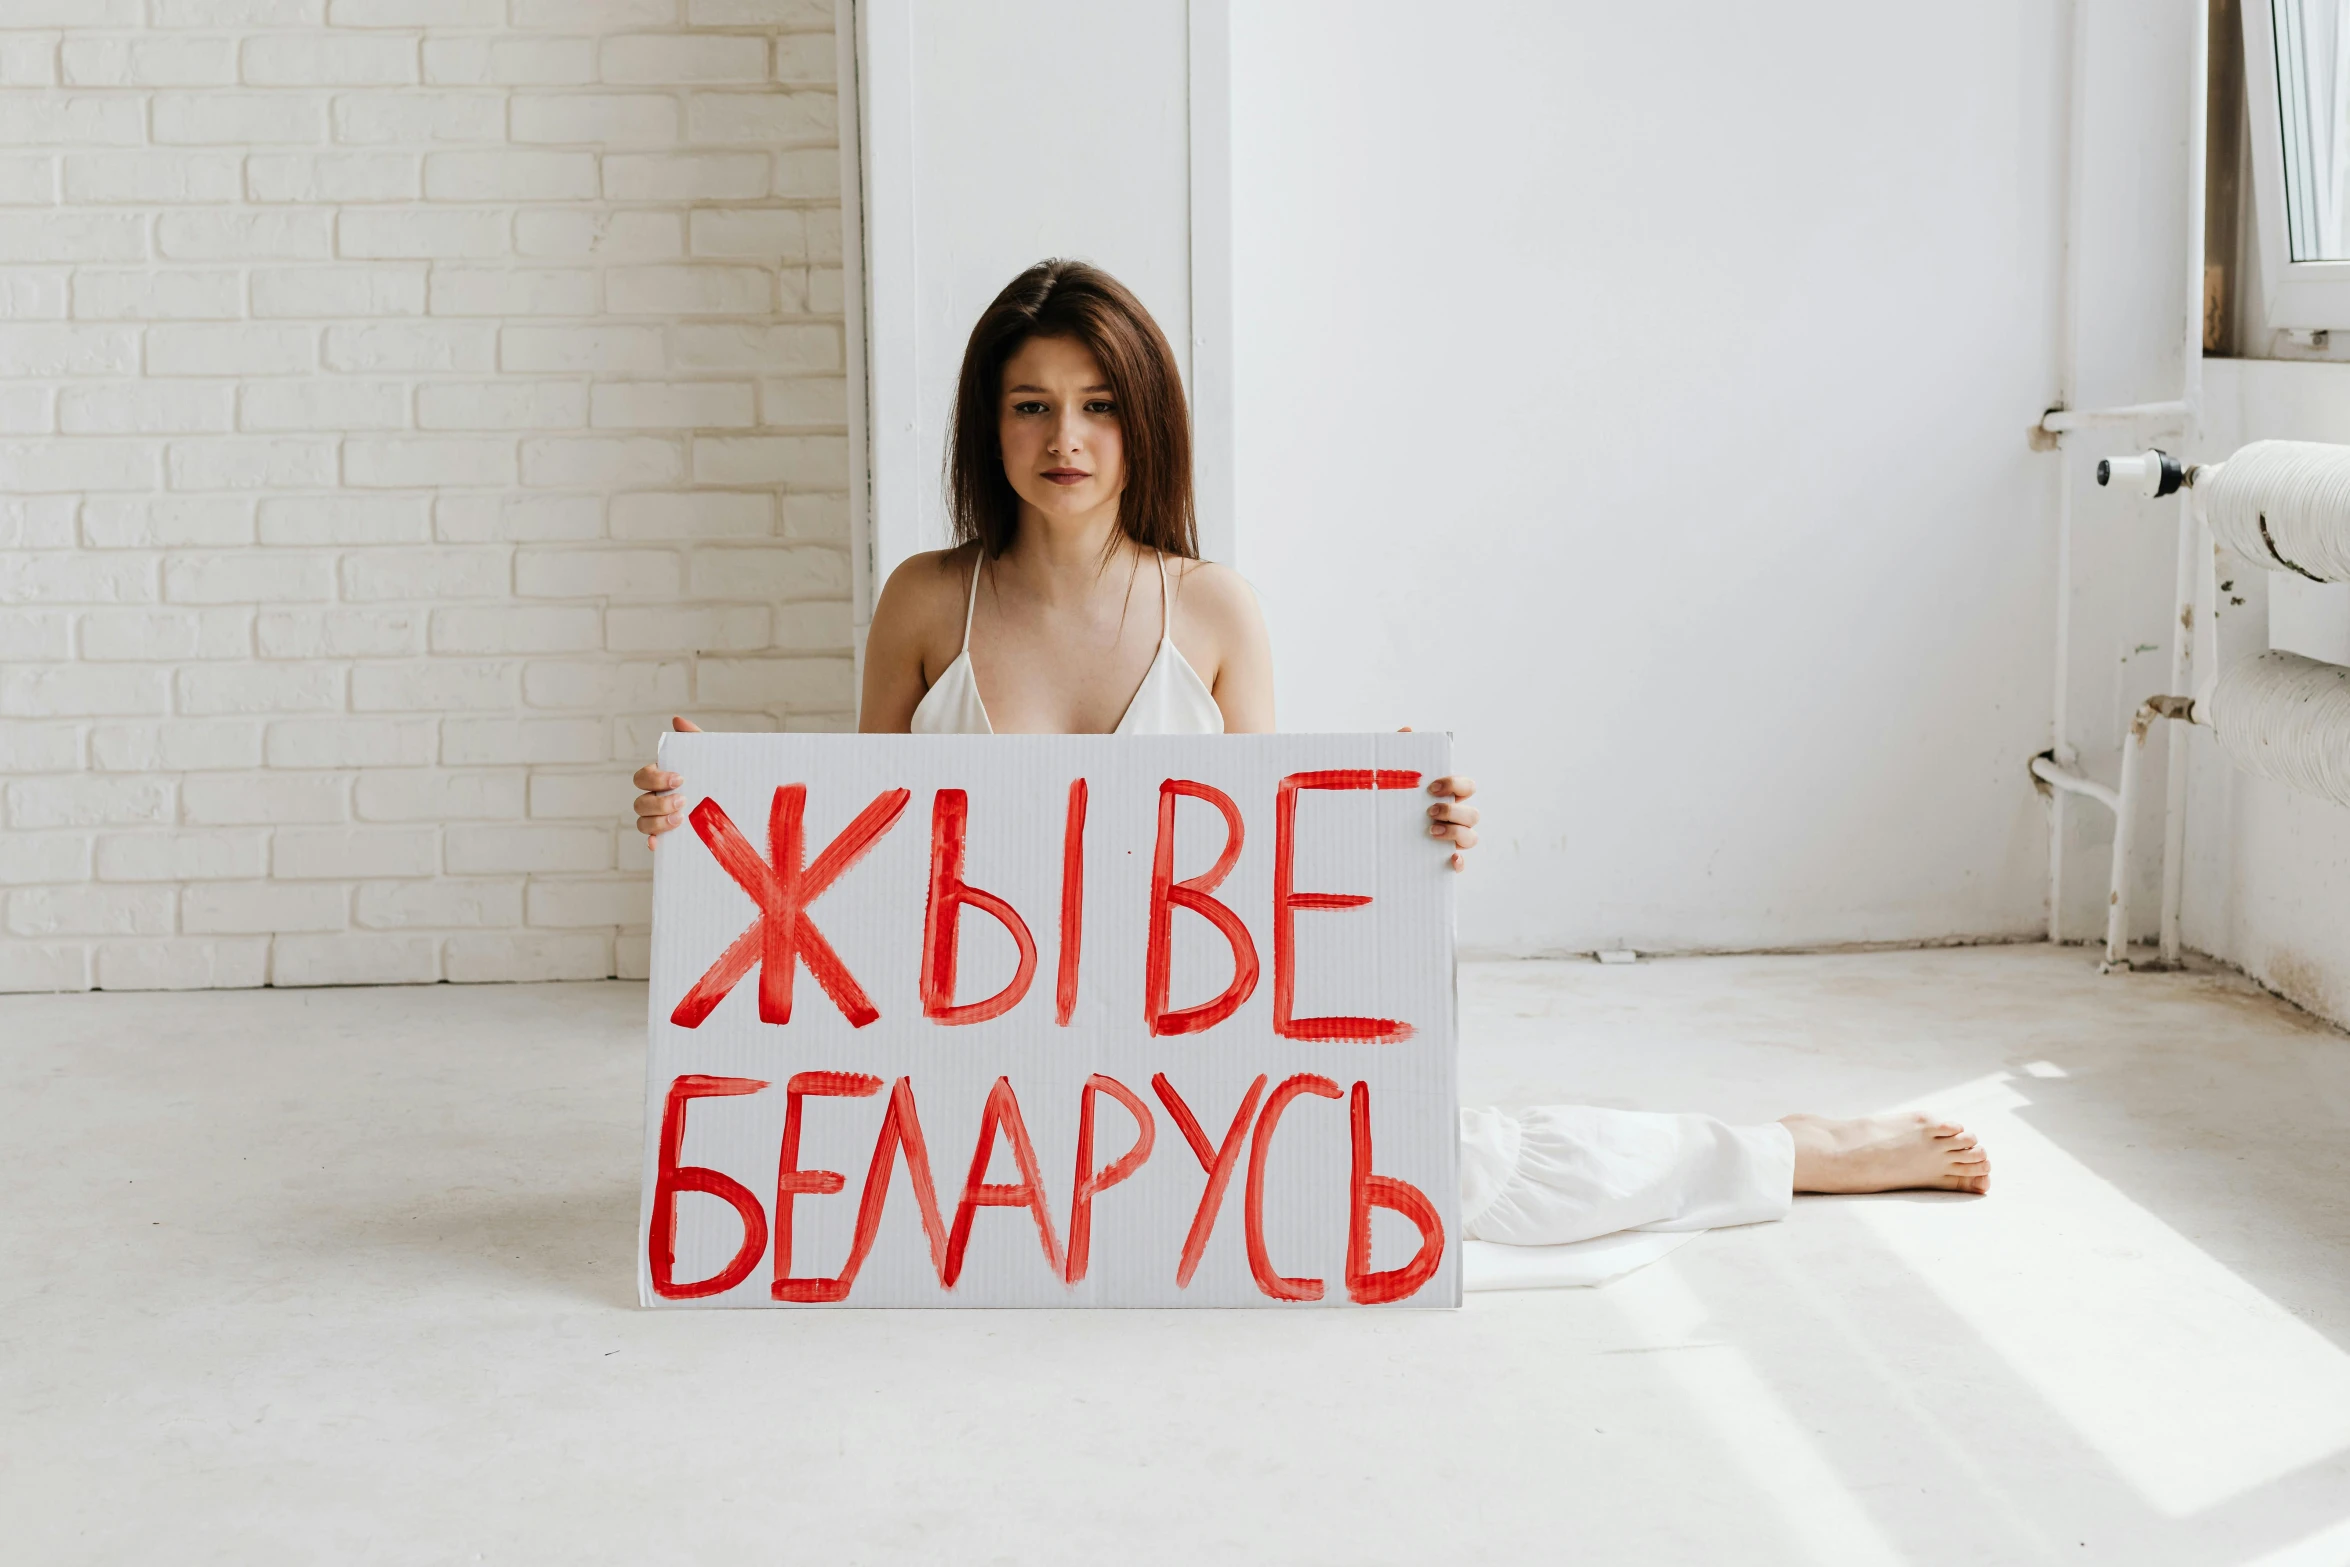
{"type": "Point", "coordinates": [1948, 1129]}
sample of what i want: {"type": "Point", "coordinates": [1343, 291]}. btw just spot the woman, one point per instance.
{"type": "Point", "coordinates": [1076, 586]}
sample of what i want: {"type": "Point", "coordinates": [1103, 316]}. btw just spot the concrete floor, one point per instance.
{"type": "Point", "coordinates": [343, 1276]}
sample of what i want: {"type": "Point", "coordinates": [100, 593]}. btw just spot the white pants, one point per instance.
{"type": "Point", "coordinates": [1560, 1173]}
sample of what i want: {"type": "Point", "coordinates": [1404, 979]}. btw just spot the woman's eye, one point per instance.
{"type": "Point", "coordinates": [1028, 408]}
{"type": "Point", "coordinates": [1101, 406]}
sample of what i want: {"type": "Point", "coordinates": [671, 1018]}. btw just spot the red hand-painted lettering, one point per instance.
{"type": "Point", "coordinates": [670, 1178]}
{"type": "Point", "coordinates": [900, 1127]}
{"type": "Point", "coordinates": [1370, 1191]}
{"type": "Point", "coordinates": [1217, 1161]}
{"type": "Point", "coordinates": [792, 1182]}
{"type": "Point", "coordinates": [1286, 903]}
{"type": "Point", "coordinates": [1091, 1182]}
{"type": "Point", "coordinates": [1260, 1261]}
{"type": "Point", "coordinates": [1003, 1110]}
{"type": "Point", "coordinates": [783, 935]}
{"type": "Point", "coordinates": [1072, 904]}
{"type": "Point", "coordinates": [942, 922]}
{"type": "Point", "coordinates": [1167, 893]}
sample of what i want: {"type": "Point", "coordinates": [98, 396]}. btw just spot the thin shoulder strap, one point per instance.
{"type": "Point", "coordinates": [1166, 602]}
{"type": "Point", "coordinates": [971, 607]}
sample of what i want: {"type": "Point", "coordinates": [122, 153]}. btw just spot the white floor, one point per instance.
{"type": "Point", "coordinates": [283, 1284]}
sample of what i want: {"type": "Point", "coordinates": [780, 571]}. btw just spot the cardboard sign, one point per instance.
{"type": "Point", "coordinates": [1051, 1021]}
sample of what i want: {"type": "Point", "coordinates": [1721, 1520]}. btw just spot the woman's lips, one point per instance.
{"type": "Point", "coordinates": [1067, 475]}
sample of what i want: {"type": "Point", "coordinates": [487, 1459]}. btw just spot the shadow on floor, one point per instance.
{"type": "Point", "coordinates": [578, 1243]}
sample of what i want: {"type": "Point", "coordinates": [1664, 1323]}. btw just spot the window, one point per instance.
{"type": "Point", "coordinates": [2297, 80]}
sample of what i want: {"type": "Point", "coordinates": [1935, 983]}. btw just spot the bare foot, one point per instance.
{"type": "Point", "coordinates": [1886, 1153]}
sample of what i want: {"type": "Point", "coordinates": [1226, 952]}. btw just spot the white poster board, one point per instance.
{"type": "Point", "coordinates": [1052, 1021]}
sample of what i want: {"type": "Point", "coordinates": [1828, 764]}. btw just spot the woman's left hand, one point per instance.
{"type": "Point", "coordinates": [1453, 821]}
{"type": "Point", "coordinates": [1448, 818]}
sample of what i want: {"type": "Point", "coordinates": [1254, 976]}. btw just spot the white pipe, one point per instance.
{"type": "Point", "coordinates": [2117, 897]}
{"type": "Point", "coordinates": [2062, 750]}
{"type": "Point", "coordinates": [2123, 803]}
{"type": "Point", "coordinates": [2068, 334]}
{"type": "Point", "coordinates": [2059, 421]}
{"type": "Point", "coordinates": [2125, 811]}
{"type": "Point", "coordinates": [2056, 777]}
{"type": "Point", "coordinates": [2182, 649]}
{"type": "Point", "coordinates": [2067, 373]}
{"type": "Point", "coordinates": [2182, 680]}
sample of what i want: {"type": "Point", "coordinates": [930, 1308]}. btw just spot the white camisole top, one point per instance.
{"type": "Point", "coordinates": [1172, 699]}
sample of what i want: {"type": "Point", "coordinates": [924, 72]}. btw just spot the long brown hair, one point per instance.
{"type": "Point", "coordinates": [1073, 300]}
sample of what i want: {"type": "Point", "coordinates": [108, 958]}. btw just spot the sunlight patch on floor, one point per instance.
{"type": "Point", "coordinates": [2328, 1547]}
{"type": "Point", "coordinates": [1758, 1432]}
{"type": "Point", "coordinates": [2193, 1384]}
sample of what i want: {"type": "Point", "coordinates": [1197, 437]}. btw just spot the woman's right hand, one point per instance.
{"type": "Point", "coordinates": [657, 808]}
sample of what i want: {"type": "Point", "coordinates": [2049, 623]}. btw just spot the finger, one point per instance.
{"type": "Point", "coordinates": [1456, 788]}
{"type": "Point", "coordinates": [1466, 815]}
{"type": "Point", "coordinates": [654, 781]}
{"type": "Point", "coordinates": [1460, 862]}
{"type": "Point", "coordinates": [686, 726]}
{"type": "Point", "coordinates": [1405, 730]}
{"type": "Point", "coordinates": [1462, 837]}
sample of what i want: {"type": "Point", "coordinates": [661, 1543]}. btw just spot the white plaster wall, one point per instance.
{"type": "Point", "coordinates": [996, 135]}
{"type": "Point", "coordinates": [1641, 392]}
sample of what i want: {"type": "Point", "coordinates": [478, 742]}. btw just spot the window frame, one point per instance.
{"type": "Point", "coordinates": [2299, 295]}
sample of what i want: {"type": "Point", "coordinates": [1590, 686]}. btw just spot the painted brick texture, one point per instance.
{"type": "Point", "coordinates": [405, 406]}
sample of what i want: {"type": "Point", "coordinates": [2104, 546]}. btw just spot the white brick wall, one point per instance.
{"type": "Point", "coordinates": [405, 406]}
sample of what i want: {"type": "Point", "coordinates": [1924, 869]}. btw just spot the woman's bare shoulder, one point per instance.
{"type": "Point", "coordinates": [919, 619]}
{"type": "Point", "coordinates": [1225, 639]}
{"type": "Point", "coordinates": [1219, 597]}
{"type": "Point", "coordinates": [927, 586]}
{"type": "Point", "coordinates": [931, 574]}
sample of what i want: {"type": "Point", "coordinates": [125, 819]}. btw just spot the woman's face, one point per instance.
{"type": "Point", "coordinates": [1059, 426]}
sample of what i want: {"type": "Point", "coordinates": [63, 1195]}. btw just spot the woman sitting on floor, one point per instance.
{"type": "Point", "coordinates": [1070, 485]}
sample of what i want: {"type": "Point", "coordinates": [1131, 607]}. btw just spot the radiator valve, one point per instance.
{"type": "Point", "coordinates": [2150, 473]}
